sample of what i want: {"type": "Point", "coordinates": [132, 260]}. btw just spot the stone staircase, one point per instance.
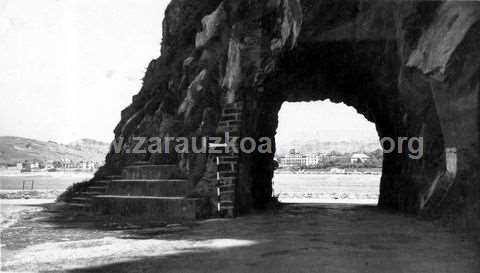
{"type": "Point", "coordinates": [145, 191]}
{"type": "Point", "coordinates": [84, 198]}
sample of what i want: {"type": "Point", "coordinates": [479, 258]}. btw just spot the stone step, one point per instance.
{"type": "Point", "coordinates": [97, 189]}
{"type": "Point", "coordinates": [109, 177]}
{"type": "Point", "coordinates": [164, 158]}
{"type": "Point", "coordinates": [170, 171]}
{"type": "Point", "coordinates": [79, 205]}
{"type": "Point", "coordinates": [91, 193]}
{"type": "Point", "coordinates": [149, 187]}
{"type": "Point", "coordinates": [100, 182]}
{"type": "Point", "coordinates": [141, 163]}
{"type": "Point", "coordinates": [81, 200]}
{"type": "Point", "coordinates": [149, 207]}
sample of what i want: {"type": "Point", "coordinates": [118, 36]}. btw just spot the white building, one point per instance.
{"type": "Point", "coordinates": [35, 165]}
{"type": "Point", "coordinates": [359, 158]}
{"type": "Point", "coordinates": [294, 159]}
{"type": "Point", "coordinates": [313, 159]}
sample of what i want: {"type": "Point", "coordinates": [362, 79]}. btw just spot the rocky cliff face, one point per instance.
{"type": "Point", "coordinates": [411, 67]}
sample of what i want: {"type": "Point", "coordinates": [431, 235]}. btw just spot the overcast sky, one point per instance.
{"type": "Point", "coordinates": [70, 66]}
{"type": "Point", "coordinates": [323, 121]}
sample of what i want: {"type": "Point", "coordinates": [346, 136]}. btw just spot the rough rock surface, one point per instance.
{"type": "Point", "coordinates": [411, 67]}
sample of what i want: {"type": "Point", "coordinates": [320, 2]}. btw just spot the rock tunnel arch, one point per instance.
{"type": "Point", "coordinates": [410, 67]}
{"type": "Point", "coordinates": [349, 73]}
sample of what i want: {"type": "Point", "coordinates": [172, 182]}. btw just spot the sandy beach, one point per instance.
{"type": "Point", "coordinates": [331, 237]}
{"type": "Point", "coordinates": [11, 210]}
{"type": "Point", "coordinates": [15, 201]}
{"type": "Point", "coordinates": [295, 238]}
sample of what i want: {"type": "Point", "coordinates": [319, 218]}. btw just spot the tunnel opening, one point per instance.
{"type": "Point", "coordinates": [326, 153]}
{"type": "Point", "coordinates": [361, 75]}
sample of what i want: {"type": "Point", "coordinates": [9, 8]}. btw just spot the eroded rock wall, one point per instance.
{"type": "Point", "coordinates": [411, 67]}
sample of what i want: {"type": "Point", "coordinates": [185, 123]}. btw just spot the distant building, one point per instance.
{"type": "Point", "coordinates": [83, 165]}
{"type": "Point", "coordinates": [314, 159]}
{"type": "Point", "coordinates": [67, 164]}
{"type": "Point", "coordinates": [294, 159]}
{"type": "Point", "coordinates": [359, 158]}
{"type": "Point", "coordinates": [86, 165]}
{"type": "Point", "coordinates": [49, 164]}
{"type": "Point", "coordinates": [26, 166]}
{"type": "Point", "coordinates": [35, 165]}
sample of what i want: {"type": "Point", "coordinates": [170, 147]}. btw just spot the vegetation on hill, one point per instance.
{"type": "Point", "coordinates": [18, 149]}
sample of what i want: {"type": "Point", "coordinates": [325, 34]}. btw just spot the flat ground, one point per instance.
{"type": "Point", "coordinates": [325, 188]}
{"type": "Point", "coordinates": [295, 238]}
{"type": "Point", "coordinates": [13, 180]}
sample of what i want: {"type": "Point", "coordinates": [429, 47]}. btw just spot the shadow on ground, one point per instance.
{"type": "Point", "coordinates": [295, 238]}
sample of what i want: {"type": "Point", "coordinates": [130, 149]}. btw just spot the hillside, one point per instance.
{"type": "Point", "coordinates": [314, 146]}
{"type": "Point", "coordinates": [18, 149]}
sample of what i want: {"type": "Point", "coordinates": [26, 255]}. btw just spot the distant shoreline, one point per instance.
{"type": "Point", "coordinates": [30, 194]}
{"type": "Point", "coordinates": [16, 173]}
{"type": "Point", "coordinates": [328, 172]}
{"type": "Point", "coordinates": [12, 183]}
